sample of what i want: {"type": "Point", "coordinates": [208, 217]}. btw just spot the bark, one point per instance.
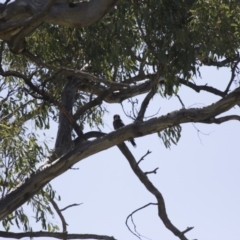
{"type": "Point", "coordinates": [83, 150]}
{"type": "Point", "coordinates": [20, 18]}
{"type": "Point", "coordinates": [64, 141]}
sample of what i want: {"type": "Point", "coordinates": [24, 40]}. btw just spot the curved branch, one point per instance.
{"type": "Point", "coordinates": [83, 150]}
{"type": "Point", "coordinates": [131, 215]}
{"type": "Point", "coordinates": [69, 206]}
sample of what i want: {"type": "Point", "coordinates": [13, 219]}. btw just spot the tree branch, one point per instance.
{"type": "Point", "coordinates": [20, 18]}
{"type": "Point", "coordinates": [69, 206]}
{"type": "Point", "coordinates": [233, 69]}
{"type": "Point", "coordinates": [201, 87]}
{"type": "Point", "coordinates": [153, 171]}
{"type": "Point", "coordinates": [222, 119]}
{"type": "Point", "coordinates": [64, 224]}
{"type": "Point", "coordinates": [152, 189]}
{"type": "Point", "coordinates": [54, 235]}
{"type": "Point", "coordinates": [149, 96]}
{"type": "Point", "coordinates": [131, 215]}
{"type": "Point", "coordinates": [97, 101]}
{"type": "Point", "coordinates": [142, 158]}
{"type": "Point", "coordinates": [83, 150]}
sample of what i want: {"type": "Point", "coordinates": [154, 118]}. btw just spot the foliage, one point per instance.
{"type": "Point", "coordinates": [178, 36]}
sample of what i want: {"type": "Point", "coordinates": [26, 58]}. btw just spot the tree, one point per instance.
{"type": "Point", "coordinates": [66, 62]}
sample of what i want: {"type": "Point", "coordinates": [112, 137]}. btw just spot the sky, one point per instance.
{"type": "Point", "coordinates": [199, 178]}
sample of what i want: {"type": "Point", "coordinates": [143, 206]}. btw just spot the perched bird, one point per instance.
{"type": "Point", "coordinates": [118, 123]}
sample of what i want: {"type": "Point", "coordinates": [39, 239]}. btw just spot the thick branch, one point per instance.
{"type": "Point", "coordinates": [21, 17]}
{"type": "Point", "coordinates": [81, 15]}
{"type": "Point", "coordinates": [31, 186]}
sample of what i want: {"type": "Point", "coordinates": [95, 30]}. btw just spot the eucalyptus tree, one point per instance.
{"type": "Point", "coordinates": [65, 61]}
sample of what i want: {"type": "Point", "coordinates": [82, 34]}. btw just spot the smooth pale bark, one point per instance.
{"type": "Point", "coordinates": [20, 18]}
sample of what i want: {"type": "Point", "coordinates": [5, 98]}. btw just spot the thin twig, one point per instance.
{"type": "Point", "coordinates": [232, 77]}
{"type": "Point", "coordinates": [142, 158]}
{"type": "Point", "coordinates": [187, 230]}
{"type": "Point", "coordinates": [130, 215]}
{"type": "Point", "coordinates": [72, 205]}
{"type": "Point", "coordinates": [180, 100]}
{"type": "Point", "coordinates": [64, 224]}
{"type": "Point", "coordinates": [153, 171]}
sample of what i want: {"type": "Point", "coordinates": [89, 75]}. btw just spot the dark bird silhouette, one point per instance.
{"type": "Point", "coordinates": [118, 123]}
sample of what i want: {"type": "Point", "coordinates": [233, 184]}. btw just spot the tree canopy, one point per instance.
{"type": "Point", "coordinates": [65, 62]}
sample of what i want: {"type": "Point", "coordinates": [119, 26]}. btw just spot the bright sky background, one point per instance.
{"type": "Point", "coordinates": [199, 178]}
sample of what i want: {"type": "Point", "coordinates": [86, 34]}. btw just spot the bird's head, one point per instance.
{"type": "Point", "coordinates": [116, 116]}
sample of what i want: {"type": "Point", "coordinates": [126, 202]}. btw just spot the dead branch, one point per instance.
{"type": "Point", "coordinates": [199, 88]}
{"type": "Point", "coordinates": [69, 206]}
{"type": "Point", "coordinates": [148, 97]}
{"type": "Point", "coordinates": [142, 158]}
{"type": "Point", "coordinates": [54, 235]}
{"type": "Point", "coordinates": [153, 171]}
{"type": "Point", "coordinates": [131, 215]}
{"type": "Point", "coordinates": [233, 69]}
{"type": "Point", "coordinates": [64, 223]}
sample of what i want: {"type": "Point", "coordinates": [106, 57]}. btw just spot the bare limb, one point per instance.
{"type": "Point", "coordinates": [153, 171]}
{"type": "Point", "coordinates": [64, 224]}
{"type": "Point", "coordinates": [72, 205]}
{"type": "Point", "coordinates": [187, 230]}
{"type": "Point", "coordinates": [222, 119]}
{"type": "Point", "coordinates": [131, 215]}
{"type": "Point", "coordinates": [180, 100]}
{"type": "Point", "coordinates": [142, 158]}
{"type": "Point", "coordinates": [199, 88]}
{"type": "Point", "coordinates": [97, 101]}
{"type": "Point", "coordinates": [148, 97]}
{"type": "Point", "coordinates": [234, 67]}
{"type": "Point", "coordinates": [54, 235]}
{"type": "Point", "coordinates": [209, 62]}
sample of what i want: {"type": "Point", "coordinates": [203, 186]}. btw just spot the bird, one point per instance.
{"type": "Point", "coordinates": [118, 123]}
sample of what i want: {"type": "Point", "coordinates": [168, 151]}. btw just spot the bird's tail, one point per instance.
{"type": "Point", "coordinates": [133, 142]}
